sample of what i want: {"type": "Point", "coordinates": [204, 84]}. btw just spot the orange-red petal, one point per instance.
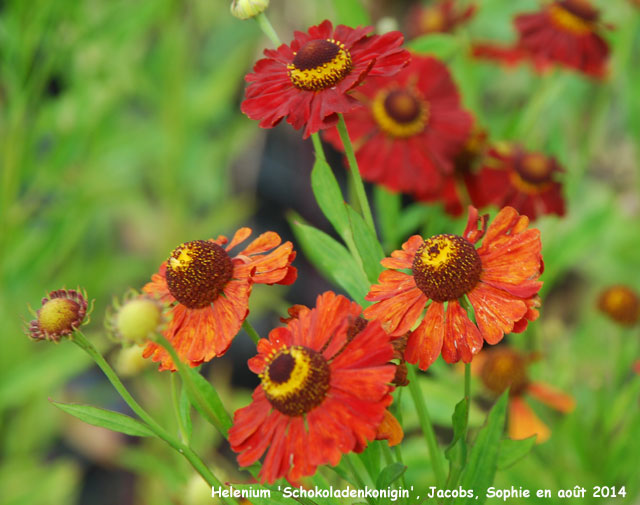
{"type": "Point", "coordinates": [550, 396]}
{"type": "Point", "coordinates": [496, 311]}
{"type": "Point", "coordinates": [524, 423]}
{"type": "Point", "coordinates": [390, 429]}
{"type": "Point", "coordinates": [460, 334]}
{"type": "Point", "coordinates": [425, 342]}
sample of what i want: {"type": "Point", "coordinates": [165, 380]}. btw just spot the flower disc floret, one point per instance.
{"type": "Point", "coordinates": [296, 380]}
{"type": "Point", "coordinates": [400, 113]}
{"type": "Point", "coordinates": [446, 267]}
{"type": "Point", "coordinates": [320, 64]}
{"type": "Point", "coordinates": [197, 272]}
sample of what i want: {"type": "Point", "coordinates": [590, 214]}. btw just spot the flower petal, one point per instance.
{"type": "Point", "coordinates": [425, 342]}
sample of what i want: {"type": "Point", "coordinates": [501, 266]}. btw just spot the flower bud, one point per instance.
{"type": "Point", "coordinates": [136, 320]}
{"type": "Point", "coordinates": [245, 9]}
{"type": "Point", "coordinates": [61, 313]}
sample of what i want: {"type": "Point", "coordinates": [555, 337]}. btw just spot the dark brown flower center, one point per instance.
{"type": "Point", "coordinates": [534, 168]}
{"type": "Point", "coordinates": [296, 380]}
{"type": "Point", "coordinates": [400, 113]}
{"type": "Point", "coordinates": [320, 64]}
{"type": "Point", "coordinates": [446, 267]}
{"type": "Point", "coordinates": [197, 272]}
{"type": "Point", "coordinates": [504, 368]}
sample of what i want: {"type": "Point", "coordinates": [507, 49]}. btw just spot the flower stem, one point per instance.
{"type": "Point", "coordinates": [427, 427]}
{"type": "Point", "coordinates": [355, 173]}
{"type": "Point", "coordinates": [196, 395]}
{"type": "Point", "coordinates": [199, 466]}
{"type": "Point", "coordinates": [246, 326]}
{"type": "Point", "coordinates": [176, 409]}
{"type": "Point", "coordinates": [267, 29]}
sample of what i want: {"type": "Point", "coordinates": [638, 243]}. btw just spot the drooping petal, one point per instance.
{"type": "Point", "coordinates": [496, 311]}
{"type": "Point", "coordinates": [425, 342]}
{"type": "Point", "coordinates": [552, 397]}
{"type": "Point", "coordinates": [524, 423]}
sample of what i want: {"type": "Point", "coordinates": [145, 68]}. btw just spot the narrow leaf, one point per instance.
{"type": "Point", "coordinates": [114, 421]}
{"type": "Point", "coordinates": [456, 453]}
{"type": "Point", "coordinates": [332, 259]}
{"type": "Point", "coordinates": [210, 395]}
{"type": "Point", "coordinates": [367, 244]}
{"type": "Point", "coordinates": [512, 451]}
{"type": "Point", "coordinates": [329, 197]}
{"type": "Point", "coordinates": [390, 474]}
{"type": "Point", "coordinates": [388, 207]}
{"type": "Point", "coordinates": [184, 408]}
{"type": "Point", "coordinates": [483, 459]}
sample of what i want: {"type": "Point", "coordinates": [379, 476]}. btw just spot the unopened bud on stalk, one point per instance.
{"type": "Point", "coordinates": [61, 313]}
{"type": "Point", "coordinates": [245, 9]}
{"type": "Point", "coordinates": [136, 320]}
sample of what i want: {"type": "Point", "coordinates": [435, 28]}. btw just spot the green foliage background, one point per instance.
{"type": "Point", "coordinates": [120, 134]}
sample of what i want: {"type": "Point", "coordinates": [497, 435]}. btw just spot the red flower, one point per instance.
{"type": "Point", "coordinates": [322, 393]}
{"type": "Point", "coordinates": [209, 292]}
{"type": "Point", "coordinates": [520, 179]}
{"type": "Point", "coordinates": [564, 32]}
{"type": "Point", "coordinates": [499, 279]}
{"type": "Point", "coordinates": [443, 16]}
{"type": "Point", "coordinates": [501, 368]}
{"type": "Point", "coordinates": [411, 128]}
{"type": "Point", "coordinates": [308, 81]}
{"type": "Point", "coordinates": [460, 186]}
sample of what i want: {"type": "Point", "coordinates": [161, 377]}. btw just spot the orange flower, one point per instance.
{"type": "Point", "coordinates": [499, 279]}
{"type": "Point", "coordinates": [501, 368]}
{"type": "Point", "coordinates": [621, 304]}
{"type": "Point", "coordinates": [322, 393]}
{"type": "Point", "coordinates": [209, 292]}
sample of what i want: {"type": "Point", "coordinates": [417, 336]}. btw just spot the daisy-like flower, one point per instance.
{"type": "Point", "coordinates": [62, 312]}
{"type": "Point", "coordinates": [565, 32]}
{"type": "Point", "coordinates": [308, 81]}
{"type": "Point", "coordinates": [620, 303]}
{"type": "Point", "coordinates": [441, 17]}
{"type": "Point", "coordinates": [322, 393]}
{"type": "Point", "coordinates": [499, 279]}
{"type": "Point", "coordinates": [501, 368]}
{"type": "Point", "coordinates": [208, 292]}
{"type": "Point", "coordinates": [410, 129]}
{"type": "Point", "coordinates": [523, 180]}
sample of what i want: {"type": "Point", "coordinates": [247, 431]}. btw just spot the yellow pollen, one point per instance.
{"type": "Point", "coordinates": [400, 113]}
{"type": "Point", "coordinates": [183, 260]}
{"type": "Point", "coordinates": [297, 377]}
{"type": "Point", "coordinates": [295, 380]}
{"type": "Point", "coordinates": [568, 21]}
{"type": "Point", "coordinates": [320, 64]}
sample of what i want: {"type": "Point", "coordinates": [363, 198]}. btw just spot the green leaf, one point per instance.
{"type": "Point", "coordinates": [367, 244]}
{"type": "Point", "coordinates": [390, 474]}
{"type": "Point", "coordinates": [106, 419]}
{"type": "Point", "coordinates": [184, 409]}
{"type": "Point", "coordinates": [329, 197]}
{"type": "Point", "coordinates": [483, 459]}
{"type": "Point", "coordinates": [351, 13]}
{"type": "Point", "coordinates": [371, 458]}
{"type": "Point", "coordinates": [456, 453]}
{"type": "Point", "coordinates": [210, 396]}
{"type": "Point", "coordinates": [441, 45]}
{"type": "Point", "coordinates": [512, 451]}
{"type": "Point", "coordinates": [331, 258]}
{"type": "Point", "coordinates": [388, 206]}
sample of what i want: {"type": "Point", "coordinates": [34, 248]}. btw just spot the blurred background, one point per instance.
{"type": "Point", "coordinates": [121, 137]}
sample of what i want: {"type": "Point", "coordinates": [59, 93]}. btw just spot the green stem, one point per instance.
{"type": "Point", "coordinates": [356, 475]}
{"type": "Point", "coordinates": [246, 326]}
{"type": "Point", "coordinates": [198, 465]}
{"type": "Point", "coordinates": [427, 427]}
{"type": "Point", "coordinates": [355, 173]}
{"type": "Point", "coordinates": [317, 146]}
{"type": "Point", "coordinates": [196, 395]}
{"type": "Point", "coordinates": [176, 409]}
{"type": "Point", "coordinates": [267, 29]}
